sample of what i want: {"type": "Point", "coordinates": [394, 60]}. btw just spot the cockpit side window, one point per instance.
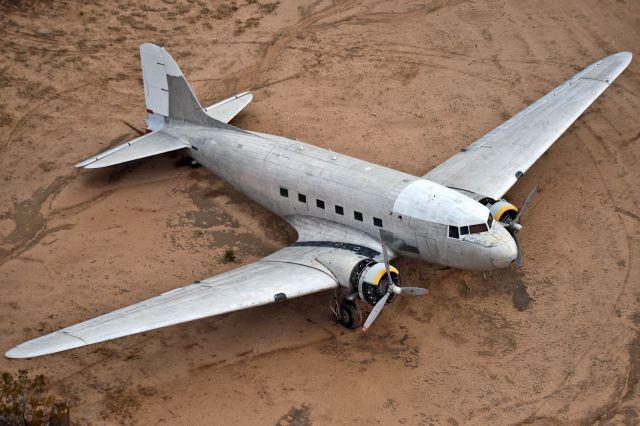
{"type": "Point", "coordinates": [453, 232]}
{"type": "Point", "coordinates": [464, 230]}
{"type": "Point", "coordinates": [476, 229]}
{"type": "Point", "coordinates": [490, 221]}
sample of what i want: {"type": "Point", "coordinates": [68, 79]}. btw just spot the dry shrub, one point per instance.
{"type": "Point", "coordinates": [25, 401]}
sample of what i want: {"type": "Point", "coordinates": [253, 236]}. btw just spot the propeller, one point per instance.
{"type": "Point", "coordinates": [391, 288]}
{"type": "Point", "coordinates": [514, 226]}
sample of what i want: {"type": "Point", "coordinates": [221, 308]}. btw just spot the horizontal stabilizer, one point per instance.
{"type": "Point", "coordinates": [228, 108]}
{"type": "Point", "coordinates": [145, 146]}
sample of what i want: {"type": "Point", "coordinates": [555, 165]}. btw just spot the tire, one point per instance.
{"type": "Point", "coordinates": [349, 315]}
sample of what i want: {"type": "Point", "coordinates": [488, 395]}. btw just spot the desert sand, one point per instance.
{"type": "Point", "coordinates": [404, 84]}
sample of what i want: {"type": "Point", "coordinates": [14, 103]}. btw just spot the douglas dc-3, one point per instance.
{"type": "Point", "coordinates": [351, 216]}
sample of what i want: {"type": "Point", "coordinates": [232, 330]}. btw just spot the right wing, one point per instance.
{"type": "Point", "coordinates": [492, 164]}
{"type": "Point", "coordinates": [291, 272]}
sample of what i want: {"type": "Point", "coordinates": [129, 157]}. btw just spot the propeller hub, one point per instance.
{"type": "Point", "coordinates": [515, 226]}
{"type": "Point", "coordinates": [391, 290]}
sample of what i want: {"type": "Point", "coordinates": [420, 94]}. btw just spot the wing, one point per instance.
{"type": "Point", "coordinates": [492, 164]}
{"type": "Point", "coordinates": [285, 274]}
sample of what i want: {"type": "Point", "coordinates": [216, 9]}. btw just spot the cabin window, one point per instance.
{"type": "Point", "coordinates": [339, 210]}
{"type": "Point", "coordinates": [302, 198]}
{"type": "Point", "coordinates": [357, 216]}
{"type": "Point", "coordinates": [320, 204]}
{"type": "Point", "coordinates": [453, 232]}
{"type": "Point", "coordinates": [476, 229]}
{"type": "Point", "coordinates": [377, 222]}
{"type": "Point", "coordinates": [490, 221]}
{"type": "Point", "coordinates": [464, 230]}
{"type": "Point", "coordinates": [284, 192]}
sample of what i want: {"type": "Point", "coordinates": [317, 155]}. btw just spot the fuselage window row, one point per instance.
{"type": "Point", "coordinates": [339, 210]}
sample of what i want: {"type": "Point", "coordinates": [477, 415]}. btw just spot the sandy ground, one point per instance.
{"type": "Point", "coordinates": [404, 84]}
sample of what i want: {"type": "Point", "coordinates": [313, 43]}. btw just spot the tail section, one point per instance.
{"type": "Point", "coordinates": [169, 98]}
{"type": "Point", "coordinates": [166, 91]}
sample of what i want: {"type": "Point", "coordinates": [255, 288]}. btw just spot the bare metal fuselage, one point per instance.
{"type": "Point", "coordinates": [414, 212]}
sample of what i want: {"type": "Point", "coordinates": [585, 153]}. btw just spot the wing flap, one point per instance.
{"type": "Point", "coordinates": [492, 164]}
{"type": "Point", "coordinates": [250, 285]}
{"type": "Point", "coordinates": [145, 146]}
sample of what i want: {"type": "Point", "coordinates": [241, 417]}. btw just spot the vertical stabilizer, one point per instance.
{"type": "Point", "coordinates": [166, 91]}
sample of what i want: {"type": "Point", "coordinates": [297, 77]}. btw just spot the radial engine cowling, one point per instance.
{"type": "Point", "coordinates": [361, 275]}
{"type": "Point", "coordinates": [503, 211]}
{"type": "Point", "coordinates": [372, 281]}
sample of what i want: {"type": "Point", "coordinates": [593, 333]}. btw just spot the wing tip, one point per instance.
{"type": "Point", "coordinates": [44, 345]}
{"type": "Point", "coordinates": [84, 164]}
{"type": "Point", "coordinates": [624, 57]}
{"type": "Point", "coordinates": [17, 353]}
{"type": "Point", "coordinates": [91, 164]}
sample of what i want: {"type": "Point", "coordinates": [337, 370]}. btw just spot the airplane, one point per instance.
{"type": "Point", "coordinates": [352, 217]}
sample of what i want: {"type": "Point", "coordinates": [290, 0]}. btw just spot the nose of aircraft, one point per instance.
{"type": "Point", "coordinates": [504, 253]}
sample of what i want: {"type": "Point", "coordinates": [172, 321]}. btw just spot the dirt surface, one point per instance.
{"type": "Point", "coordinates": [404, 84]}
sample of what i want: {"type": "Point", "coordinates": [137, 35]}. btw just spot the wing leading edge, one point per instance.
{"type": "Point", "coordinates": [492, 164]}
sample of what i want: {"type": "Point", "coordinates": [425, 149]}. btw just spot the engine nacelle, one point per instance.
{"type": "Point", "coordinates": [503, 211]}
{"type": "Point", "coordinates": [371, 280]}
{"type": "Point", "coordinates": [359, 274]}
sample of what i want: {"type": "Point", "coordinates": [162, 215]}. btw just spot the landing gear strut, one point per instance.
{"type": "Point", "coordinates": [345, 310]}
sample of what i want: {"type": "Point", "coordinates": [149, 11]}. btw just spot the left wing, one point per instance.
{"type": "Point", "coordinates": [492, 164]}
{"type": "Point", "coordinates": [291, 272]}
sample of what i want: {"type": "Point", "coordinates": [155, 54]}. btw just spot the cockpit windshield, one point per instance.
{"type": "Point", "coordinates": [455, 232]}
{"type": "Point", "coordinates": [476, 229]}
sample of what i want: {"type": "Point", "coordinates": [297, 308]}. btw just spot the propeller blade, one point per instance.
{"type": "Point", "coordinates": [526, 203]}
{"type": "Point", "coordinates": [519, 255]}
{"type": "Point", "coordinates": [414, 291]}
{"type": "Point", "coordinates": [385, 255]}
{"type": "Point", "coordinates": [375, 311]}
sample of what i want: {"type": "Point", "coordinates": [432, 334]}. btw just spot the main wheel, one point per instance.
{"type": "Point", "coordinates": [349, 315]}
